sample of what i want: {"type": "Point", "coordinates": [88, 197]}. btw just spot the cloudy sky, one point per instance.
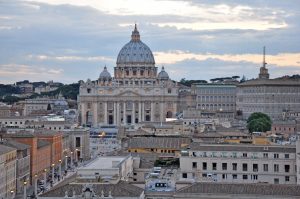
{"type": "Point", "coordinates": [71, 40]}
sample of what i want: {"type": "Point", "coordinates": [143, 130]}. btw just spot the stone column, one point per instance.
{"type": "Point", "coordinates": [133, 113]}
{"type": "Point", "coordinates": [140, 111]}
{"type": "Point", "coordinates": [105, 113]}
{"type": "Point", "coordinates": [118, 113]}
{"type": "Point", "coordinates": [124, 112]}
{"type": "Point", "coordinates": [95, 113]}
{"type": "Point", "coordinates": [143, 112]}
{"type": "Point", "coordinates": [152, 112]}
{"type": "Point", "coordinates": [162, 112]}
{"type": "Point", "coordinates": [83, 114]}
{"type": "Point", "coordinates": [115, 113]}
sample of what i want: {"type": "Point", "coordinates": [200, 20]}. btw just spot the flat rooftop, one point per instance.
{"type": "Point", "coordinates": [104, 162]}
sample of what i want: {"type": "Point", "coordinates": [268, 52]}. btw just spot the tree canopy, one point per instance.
{"type": "Point", "coordinates": [259, 122]}
{"type": "Point", "coordinates": [188, 83]}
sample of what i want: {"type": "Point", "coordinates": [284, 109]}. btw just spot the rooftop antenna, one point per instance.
{"type": "Point", "coordinates": [264, 58]}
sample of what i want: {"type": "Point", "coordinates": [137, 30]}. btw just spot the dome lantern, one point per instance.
{"type": "Point", "coordinates": [135, 36]}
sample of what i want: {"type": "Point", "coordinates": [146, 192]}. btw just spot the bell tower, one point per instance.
{"type": "Point", "coordinates": [263, 71]}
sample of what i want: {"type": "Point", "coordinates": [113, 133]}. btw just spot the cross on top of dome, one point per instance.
{"type": "Point", "coordinates": [135, 36]}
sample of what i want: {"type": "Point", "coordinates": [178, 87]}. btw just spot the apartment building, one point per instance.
{"type": "Point", "coordinates": [23, 163]}
{"type": "Point", "coordinates": [40, 152]}
{"type": "Point", "coordinates": [239, 163]}
{"type": "Point", "coordinates": [8, 156]}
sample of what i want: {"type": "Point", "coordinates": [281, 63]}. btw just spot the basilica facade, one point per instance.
{"type": "Point", "coordinates": [136, 93]}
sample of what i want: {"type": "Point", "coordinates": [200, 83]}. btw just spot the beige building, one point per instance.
{"type": "Point", "coordinates": [271, 96]}
{"type": "Point", "coordinates": [136, 93]}
{"type": "Point", "coordinates": [44, 106]}
{"type": "Point", "coordinates": [79, 143]}
{"type": "Point", "coordinates": [215, 96]}
{"type": "Point", "coordinates": [23, 163]}
{"type": "Point", "coordinates": [240, 163]}
{"type": "Point", "coordinates": [8, 168]}
{"type": "Point", "coordinates": [5, 110]}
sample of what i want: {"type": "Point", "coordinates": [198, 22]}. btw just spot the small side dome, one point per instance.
{"type": "Point", "coordinates": [163, 74]}
{"type": "Point", "coordinates": [105, 75]}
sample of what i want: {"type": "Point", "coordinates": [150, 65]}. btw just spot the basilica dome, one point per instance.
{"type": "Point", "coordinates": [135, 52]}
{"type": "Point", "coordinates": [105, 75]}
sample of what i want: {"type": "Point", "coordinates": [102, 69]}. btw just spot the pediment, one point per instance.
{"type": "Point", "coordinates": [128, 93]}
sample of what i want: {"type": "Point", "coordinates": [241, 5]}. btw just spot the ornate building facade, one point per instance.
{"type": "Point", "coordinates": [136, 93]}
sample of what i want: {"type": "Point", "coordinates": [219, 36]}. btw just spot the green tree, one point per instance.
{"type": "Point", "coordinates": [259, 122]}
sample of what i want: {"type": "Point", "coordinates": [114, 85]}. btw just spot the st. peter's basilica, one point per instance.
{"type": "Point", "coordinates": [136, 93]}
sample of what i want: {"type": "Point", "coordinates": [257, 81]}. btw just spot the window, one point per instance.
{"type": "Point", "coordinates": [134, 73]}
{"type": "Point", "coordinates": [266, 167]}
{"type": "Point", "coordinates": [266, 155]}
{"type": "Point", "coordinates": [276, 168]}
{"type": "Point", "coordinates": [287, 178]}
{"type": "Point", "coordinates": [287, 156]}
{"type": "Point", "coordinates": [245, 177]}
{"type": "Point", "coordinates": [224, 176]}
{"type": "Point", "coordinates": [276, 155]}
{"type": "Point", "coordinates": [214, 166]}
{"type": "Point", "coordinates": [255, 167]}
{"type": "Point", "coordinates": [204, 166]}
{"type": "Point", "coordinates": [77, 142]}
{"type": "Point", "coordinates": [184, 175]}
{"type": "Point", "coordinates": [287, 168]}
{"type": "Point", "coordinates": [234, 154]}
{"type": "Point", "coordinates": [194, 165]}
{"type": "Point", "coordinates": [224, 166]}
{"type": "Point", "coordinates": [245, 167]}
{"type": "Point", "coordinates": [169, 90]}
{"type": "Point", "coordinates": [254, 177]}
{"type": "Point", "coordinates": [276, 180]}
{"type": "Point", "coordinates": [224, 154]}
{"type": "Point", "coordinates": [244, 155]}
{"type": "Point", "coordinates": [234, 166]}
{"type": "Point", "coordinates": [88, 90]}
{"type": "Point", "coordinates": [234, 176]}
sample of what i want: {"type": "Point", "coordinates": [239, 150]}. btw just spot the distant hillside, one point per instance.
{"type": "Point", "coordinates": [69, 91]}
{"type": "Point", "coordinates": [8, 90]}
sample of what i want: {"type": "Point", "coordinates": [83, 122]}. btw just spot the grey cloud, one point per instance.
{"type": "Point", "coordinates": [82, 31]}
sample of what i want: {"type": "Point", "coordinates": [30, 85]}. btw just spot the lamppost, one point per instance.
{"type": "Point", "coordinates": [66, 164]}
{"type": "Point", "coordinates": [12, 193]}
{"type": "Point", "coordinates": [59, 170]}
{"type": "Point", "coordinates": [53, 172]}
{"type": "Point", "coordinates": [45, 178]}
{"type": "Point", "coordinates": [25, 187]}
{"type": "Point", "coordinates": [35, 184]}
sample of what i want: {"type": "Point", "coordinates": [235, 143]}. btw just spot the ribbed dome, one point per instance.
{"type": "Point", "coordinates": [105, 75]}
{"type": "Point", "coordinates": [135, 52]}
{"type": "Point", "coordinates": [163, 74]}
